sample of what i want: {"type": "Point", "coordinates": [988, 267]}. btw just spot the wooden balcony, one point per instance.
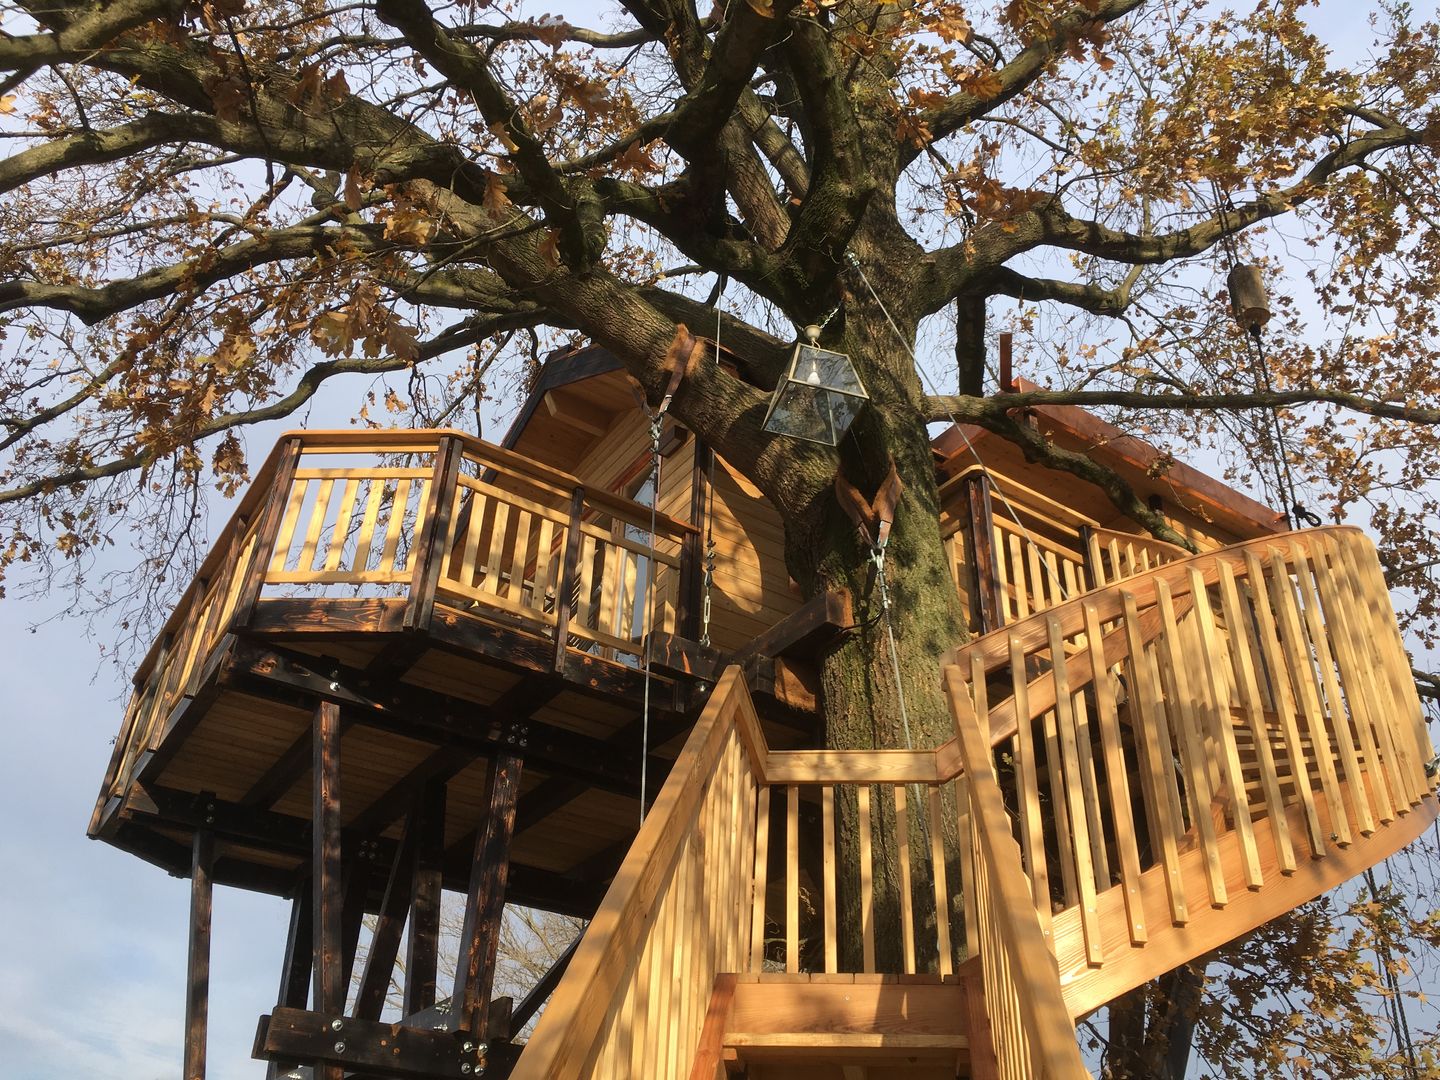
{"type": "Point", "coordinates": [444, 592]}
{"type": "Point", "coordinates": [1141, 773]}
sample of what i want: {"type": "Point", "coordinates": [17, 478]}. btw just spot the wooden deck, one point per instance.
{"type": "Point", "coordinates": [452, 598]}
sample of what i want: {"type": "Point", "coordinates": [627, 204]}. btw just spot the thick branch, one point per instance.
{"type": "Point", "coordinates": [962, 107]}
{"type": "Point", "coordinates": [942, 407]}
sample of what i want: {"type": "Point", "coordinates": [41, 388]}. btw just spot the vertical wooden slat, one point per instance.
{"type": "Point", "coordinates": [399, 507]}
{"type": "Point", "coordinates": [285, 535]}
{"type": "Point", "coordinates": [969, 887]}
{"type": "Point", "coordinates": [1322, 640]}
{"type": "Point", "coordinates": [1337, 618]}
{"type": "Point", "coordinates": [827, 824]}
{"type": "Point", "coordinates": [867, 891]}
{"type": "Point", "coordinates": [1243, 656]}
{"type": "Point", "coordinates": [1017, 573]}
{"type": "Point", "coordinates": [1037, 579]}
{"type": "Point", "coordinates": [1148, 724]}
{"type": "Point", "coordinates": [1003, 587]}
{"type": "Point", "coordinates": [485, 902]}
{"type": "Point", "coordinates": [319, 513]}
{"type": "Point", "coordinates": [1210, 669]}
{"type": "Point", "coordinates": [1298, 656]}
{"type": "Point", "coordinates": [1171, 654]}
{"type": "Point", "coordinates": [1027, 778]}
{"type": "Point", "coordinates": [495, 558]}
{"type": "Point", "coordinates": [197, 967]}
{"type": "Point", "coordinates": [1284, 703]}
{"type": "Point", "coordinates": [350, 487]}
{"type": "Point", "coordinates": [570, 564]}
{"type": "Point", "coordinates": [945, 959]}
{"type": "Point", "coordinates": [519, 555]}
{"type": "Point", "coordinates": [1117, 779]}
{"type": "Point", "coordinates": [325, 868]}
{"type": "Point", "coordinates": [907, 903]}
{"type": "Point", "coordinates": [1059, 807]}
{"type": "Point", "coordinates": [1079, 824]}
{"type": "Point", "coordinates": [541, 585]}
{"type": "Point", "coordinates": [792, 878]}
{"type": "Point", "coordinates": [423, 941]}
{"type": "Point", "coordinates": [762, 864]}
{"type": "Point", "coordinates": [365, 537]}
{"type": "Point", "coordinates": [1090, 787]}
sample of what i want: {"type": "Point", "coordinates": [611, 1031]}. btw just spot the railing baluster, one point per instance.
{"type": "Point", "coordinates": [341, 532]}
{"type": "Point", "coordinates": [762, 865]}
{"type": "Point", "coordinates": [907, 904]}
{"type": "Point", "coordinates": [399, 504]}
{"type": "Point", "coordinates": [792, 878]}
{"type": "Point", "coordinates": [318, 513]}
{"type": "Point", "coordinates": [1214, 699]}
{"type": "Point", "coordinates": [944, 963]}
{"type": "Point", "coordinates": [1075, 797]}
{"type": "Point", "coordinates": [1148, 725]}
{"type": "Point", "coordinates": [1236, 618]}
{"type": "Point", "coordinates": [827, 830]}
{"type": "Point", "coordinates": [1321, 639]}
{"type": "Point", "coordinates": [1027, 778]}
{"type": "Point", "coordinates": [1181, 708]}
{"type": "Point", "coordinates": [1285, 702]}
{"type": "Point", "coordinates": [1090, 788]}
{"type": "Point", "coordinates": [1117, 779]}
{"type": "Point", "coordinates": [867, 891]}
{"type": "Point", "coordinates": [1297, 654]}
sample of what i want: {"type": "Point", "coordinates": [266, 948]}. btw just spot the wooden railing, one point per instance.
{"type": "Point", "coordinates": [418, 517]}
{"type": "Point", "coordinates": [1115, 556]}
{"type": "Point", "coordinates": [633, 1000]}
{"type": "Point", "coordinates": [1031, 1029]}
{"type": "Point", "coordinates": [1202, 748]}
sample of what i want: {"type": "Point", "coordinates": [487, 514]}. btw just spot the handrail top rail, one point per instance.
{"type": "Point", "coordinates": [348, 440]}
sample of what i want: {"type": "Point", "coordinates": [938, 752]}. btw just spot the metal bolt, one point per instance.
{"type": "Point", "coordinates": [334, 686]}
{"type": "Point", "coordinates": [467, 1046]}
{"type": "Point", "coordinates": [466, 1068]}
{"type": "Point", "coordinates": [336, 1024]}
{"type": "Point", "coordinates": [483, 1049]}
{"type": "Point", "coordinates": [340, 1047]}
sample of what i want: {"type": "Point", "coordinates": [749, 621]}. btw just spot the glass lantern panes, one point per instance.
{"type": "Point", "coordinates": [819, 397]}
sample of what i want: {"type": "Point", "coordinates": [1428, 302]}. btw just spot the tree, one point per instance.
{"type": "Point", "coordinates": [216, 208]}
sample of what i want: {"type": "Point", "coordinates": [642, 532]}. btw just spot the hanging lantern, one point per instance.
{"type": "Point", "coordinates": [1247, 298]}
{"type": "Point", "coordinates": [819, 396]}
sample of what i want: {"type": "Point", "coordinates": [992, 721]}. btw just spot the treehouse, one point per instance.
{"type": "Point", "coordinates": [415, 661]}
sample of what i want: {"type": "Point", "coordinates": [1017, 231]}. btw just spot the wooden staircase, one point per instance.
{"type": "Point", "coordinates": [1139, 775]}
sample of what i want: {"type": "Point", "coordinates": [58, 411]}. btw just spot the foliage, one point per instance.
{"type": "Point", "coordinates": [216, 207]}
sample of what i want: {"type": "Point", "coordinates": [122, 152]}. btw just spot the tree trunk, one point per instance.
{"type": "Point", "coordinates": [871, 698]}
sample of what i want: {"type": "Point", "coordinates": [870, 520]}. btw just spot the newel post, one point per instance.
{"type": "Point", "coordinates": [427, 552]}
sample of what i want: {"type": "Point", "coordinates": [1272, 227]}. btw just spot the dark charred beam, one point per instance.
{"type": "Point", "coordinates": [326, 866]}
{"type": "Point", "coordinates": [980, 550]}
{"type": "Point", "coordinates": [197, 973]}
{"type": "Point", "coordinates": [814, 626]}
{"type": "Point", "coordinates": [364, 1047]}
{"type": "Point", "coordinates": [294, 989]}
{"type": "Point", "coordinates": [421, 604]}
{"type": "Point", "coordinates": [423, 948]}
{"type": "Point", "coordinates": [426, 714]}
{"type": "Point", "coordinates": [485, 902]}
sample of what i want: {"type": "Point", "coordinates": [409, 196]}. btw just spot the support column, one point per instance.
{"type": "Point", "coordinates": [294, 990]}
{"type": "Point", "coordinates": [197, 994]}
{"type": "Point", "coordinates": [485, 903]}
{"type": "Point", "coordinates": [325, 871]}
{"type": "Point", "coordinates": [389, 925]}
{"type": "Point", "coordinates": [422, 951]}
{"type": "Point", "coordinates": [985, 606]}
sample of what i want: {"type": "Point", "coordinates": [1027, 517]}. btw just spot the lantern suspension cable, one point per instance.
{"type": "Point", "coordinates": [1251, 309]}
{"type": "Point", "coordinates": [930, 385]}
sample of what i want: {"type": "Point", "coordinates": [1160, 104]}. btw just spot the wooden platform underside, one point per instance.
{"type": "Point", "coordinates": [235, 757]}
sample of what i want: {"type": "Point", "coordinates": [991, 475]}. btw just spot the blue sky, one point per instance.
{"type": "Point", "coordinates": [92, 974]}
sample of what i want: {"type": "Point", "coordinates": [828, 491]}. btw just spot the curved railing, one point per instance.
{"type": "Point", "coordinates": [1203, 747]}
{"type": "Point", "coordinates": [415, 518]}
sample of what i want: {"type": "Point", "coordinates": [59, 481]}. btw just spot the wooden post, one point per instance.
{"type": "Point", "coordinates": [326, 863]}
{"type": "Point", "coordinates": [485, 903]}
{"type": "Point", "coordinates": [1087, 552]}
{"type": "Point", "coordinates": [264, 549]}
{"type": "Point", "coordinates": [294, 989]}
{"type": "Point", "coordinates": [569, 567]}
{"type": "Point", "coordinates": [197, 995]}
{"type": "Point", "coordinates": [980, 550]}
{"type": "Point", "coordinates": [425, 552]}
{"type": "Point", "coordinates": [692, 554]}
{"type": "Point", "coordinates": [421, 954]}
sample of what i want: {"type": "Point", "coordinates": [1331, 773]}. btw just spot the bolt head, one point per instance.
{"type": "Point", "coordinates": [483, 1049]}
{"type": "Point", "coordinates": [334, 686]}
{"type": "Point", "coordinates": [466, 1068]}
{"type": "Point", "coordinates": [336, 1024]}
{"type": "Point", "coordinates": [340, 1047]}
{"type": "Point", "coordinates": [467, 1046]}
